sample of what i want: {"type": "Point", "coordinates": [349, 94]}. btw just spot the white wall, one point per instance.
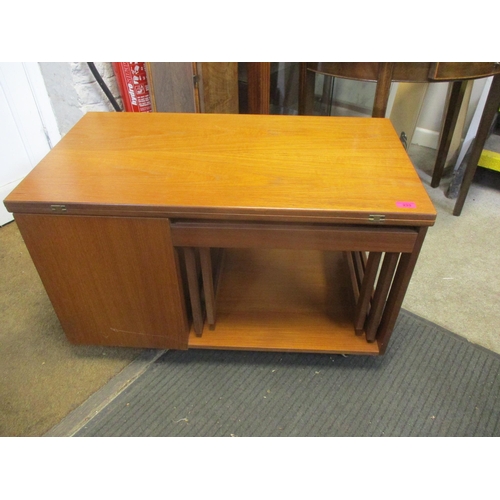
{"type": "Point", "coordinates": [27, 125]}
{"type": "Point", "coordinates": [40, 102]}
{"type": "Point", "coordinates": [431, 116]}
{"type": "Point", "coordinates": [73, 90]}
{"type": "Point", "coordinates": [432, 112]}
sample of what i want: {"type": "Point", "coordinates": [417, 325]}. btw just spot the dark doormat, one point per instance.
{"type": "Point", "coordinates": [429, 383]}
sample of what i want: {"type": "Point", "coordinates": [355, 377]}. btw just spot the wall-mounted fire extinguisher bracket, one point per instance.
{"type": "Point", "coordinates": [134, 88]}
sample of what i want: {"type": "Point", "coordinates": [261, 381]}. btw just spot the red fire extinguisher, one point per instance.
{"type": "Point", "coordinates": [133, 83]}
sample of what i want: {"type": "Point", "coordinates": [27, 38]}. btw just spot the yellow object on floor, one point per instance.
{"type": "Point", "coordinates": [490, 159]}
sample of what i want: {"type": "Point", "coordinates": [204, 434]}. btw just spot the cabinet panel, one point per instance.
{"type": "Point", "coordinates": [112, 281]}
{"type": "Point", "coordinates": [172, 88]}
{"type": "Point", "coordinates": [219, 87]}
{"type": "Point", "coordinates": [188, 87]}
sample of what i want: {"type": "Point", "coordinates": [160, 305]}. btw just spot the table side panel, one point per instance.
{"type": "Point", "coordinates": [112, 281]}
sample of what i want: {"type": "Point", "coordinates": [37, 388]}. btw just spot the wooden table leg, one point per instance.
{"type": "Point", "coordinates": [353, 274]}
{"type": "Point", "coordinates": [384, 80]}
{"type": "Point", "coordinates": [366, 291]}
{"type": "Point", "coordinates": [490, 108]}
{"type": "Point", "coordinates": [454, 105]}
{"type": "Point", "coordinates": [381, 291]}
{"type": "Point", "coordinates": [306, 90]}
{"type": "Point", "coordinates": [208, 285]}
{"type": "Point", "coordinates": [194, 290]}
{"type": "Point", "coordinates": [259, 87]}
{"type": "Point", "coordinates": [400, 284]}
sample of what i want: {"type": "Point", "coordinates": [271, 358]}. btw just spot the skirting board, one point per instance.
{"type": "Point", "coordinates": [425, 137]}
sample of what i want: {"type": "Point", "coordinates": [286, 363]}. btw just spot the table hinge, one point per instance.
{"type": "Point", "coordinates": [376, 218]}
{"type": "Point", "coordinates": [58, 208]}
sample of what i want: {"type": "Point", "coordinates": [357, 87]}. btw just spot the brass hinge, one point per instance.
{"type": "Point", "coordinates": [58, 208]}
{"type": "Point", "coordinates": [196, 80]}
{"type": "Point", "coordinates": [376, 218]}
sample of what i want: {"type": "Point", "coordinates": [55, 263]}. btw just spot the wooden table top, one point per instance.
{"type": "Point", "coordinates": [267, 167]}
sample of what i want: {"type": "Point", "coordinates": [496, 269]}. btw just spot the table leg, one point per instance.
{"type": "Point", "coordinates": [398, 290]}
{"type": "Point", "coordinates": [384, 80]}
{"type": "Point", "coordinates": [381, 291]}
{"type": "Point", "coordinates": [454, 105]}
{"type": "Point", "coordinates": [259, 87]}
{"type": "Point", "coordinates": [366, 291]}
{"type": "Point", "coordinates": [208, 285]}
{"type": "Point", "coordinates": [353, 274]}
{"type": "Point", "coordinates": [306, 90]}
{"type": "Point", "coordinates": [194, 290]}
{"type": "Point", "coordinates": [360, 263]}
{"type": "Point", "coordinates": [490, 108]}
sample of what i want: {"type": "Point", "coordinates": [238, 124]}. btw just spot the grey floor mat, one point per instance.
{"type": "Point", "coordinates": [430, 383]}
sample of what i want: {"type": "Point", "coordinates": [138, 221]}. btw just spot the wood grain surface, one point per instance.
{"type": "Point", "coordinates": [171, 86]}
{"type": "Point", "coordinates": [229, 166]}
{"type": "Point", "coordinates": [218, 87]}
{"type": "Point", "coordinates": [112, 281]}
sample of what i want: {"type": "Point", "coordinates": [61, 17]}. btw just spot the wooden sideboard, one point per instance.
{"type": "Point", "coordinates": [177, 230]}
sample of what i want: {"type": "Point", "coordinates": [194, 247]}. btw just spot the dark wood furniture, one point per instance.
{"type": "Point", "coordinates": [319, 222]}
{"type": "Point", "coordinates": [491, 108]}
{"type": "Point", "coordinates": [386, 72]}
{"type": "Point", "coordinates": [193, 87]}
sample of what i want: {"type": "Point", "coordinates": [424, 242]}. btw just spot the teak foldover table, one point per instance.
{"type": "Point", "coordinates": [292, 233]}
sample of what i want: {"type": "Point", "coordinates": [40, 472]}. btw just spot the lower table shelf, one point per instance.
{"type": "Point", "coordinates": [284, 300]}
